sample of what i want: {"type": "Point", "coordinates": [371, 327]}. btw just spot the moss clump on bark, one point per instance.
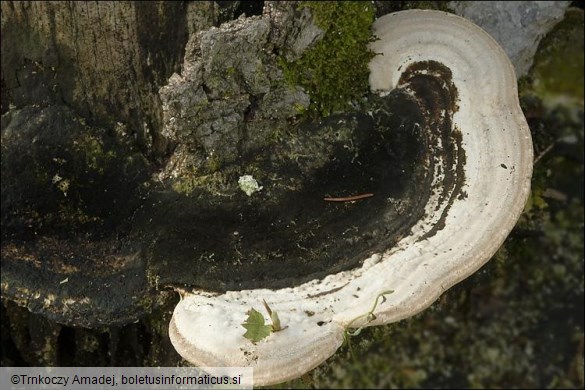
{"type": "Point", "coordinates": [335, 71]}
{"type": "Point", "coordinates": [558, 66]}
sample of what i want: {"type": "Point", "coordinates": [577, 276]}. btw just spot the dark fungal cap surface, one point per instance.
{"type": "Point", "coordinates": [286, 234]}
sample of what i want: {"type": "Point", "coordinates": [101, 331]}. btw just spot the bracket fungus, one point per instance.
{"type": "Point", "coordinates": [477, 163]}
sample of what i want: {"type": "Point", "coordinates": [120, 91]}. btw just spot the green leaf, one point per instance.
{"type": "Point", "coordinates": [275, 322]}
{"type": "Point", "coordinates": [268, 309]}
{"type": "Point", "coordinates": [274, 318]}
{"type": "Point", "coordinates": [256, 330]}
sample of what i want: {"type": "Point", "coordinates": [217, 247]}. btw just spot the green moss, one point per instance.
{"type": "Point", "coordinates": [335, 71]}
{"type": "Point", "coordinates": [193, 179]}
{"type": "Point", "coordinates": [558, 66]}
{"type": "Point", "coordinates": [91, 149]}
{"type": "Point", "coordinates": [216, 183]}
{"type": "Point", "coordinates": [186, 183]}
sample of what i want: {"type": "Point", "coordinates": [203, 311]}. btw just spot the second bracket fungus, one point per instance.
{"type": "Point", "coordinates": [448, 85]}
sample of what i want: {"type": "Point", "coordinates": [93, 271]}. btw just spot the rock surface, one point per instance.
{"type": "Point", "coordinates": [518, 26]}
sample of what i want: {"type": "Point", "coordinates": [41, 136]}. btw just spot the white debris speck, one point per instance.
{"type": "Point", "coordinates": [56, 178]}
{"type": "Point", "coordinates": [248, 184]}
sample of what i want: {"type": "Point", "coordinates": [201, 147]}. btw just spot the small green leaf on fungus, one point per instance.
{"type": "Point", "coordinates": [256, 330]}
{"type": "Point", "coordinates": [274, 318]}
{"type": "Point", "coordinates": [268, 309]}
{"type": "Point", "coordinates": [275, 322]}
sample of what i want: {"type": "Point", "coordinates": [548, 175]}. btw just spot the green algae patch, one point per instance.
{"type": "Point", "coordinates": [335, 71]}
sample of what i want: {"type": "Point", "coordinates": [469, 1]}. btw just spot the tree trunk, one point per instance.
{"type": "Point", "coordinates": [77, 68]}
